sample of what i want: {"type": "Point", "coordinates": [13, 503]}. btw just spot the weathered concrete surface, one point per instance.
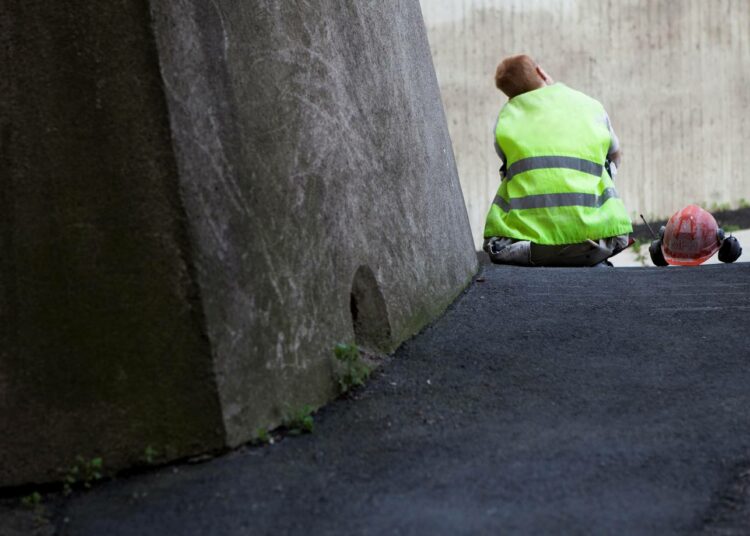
{"type": "Point", "coordinates": [548, 401]}
{"type": "Point", "coordinates": [102, 346]}
{"type": "Point", "coordinates": [674, 78]}
{"type": "Point", "coordinates": [188, 190]}
{"type": "Point", "coordinates": [311, 141]}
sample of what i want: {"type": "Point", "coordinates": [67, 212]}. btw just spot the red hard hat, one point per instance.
{"type": "Point", "coordinates": [691, 237]}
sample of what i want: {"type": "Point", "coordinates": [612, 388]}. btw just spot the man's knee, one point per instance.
{"type": "Point", "coordinates": [508, 251]}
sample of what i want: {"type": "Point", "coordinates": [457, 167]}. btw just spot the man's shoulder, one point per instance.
{"type": "Point", "coordinates": [579, 95]}
{"type": "Point", "coordinates": [548, 96]}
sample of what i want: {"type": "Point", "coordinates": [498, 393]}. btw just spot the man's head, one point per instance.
{"type": "Point", "coordinates": [519, 74]}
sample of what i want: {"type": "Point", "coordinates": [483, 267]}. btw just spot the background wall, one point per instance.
{"type": "Point", "coordinates": [673, 76]}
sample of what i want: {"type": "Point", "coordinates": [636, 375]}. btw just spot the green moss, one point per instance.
{"type": "Point", "coordinates": [150, 454]}
{"type": "Point", "coordinates": [351, 371]}
{"type": "Point", "coordinates": [83, 473]}
{"type": "Point", "coordinates": [300, 420]}
{"type": "Point", "coordinates": [32, 500]}
{"type": "Point", "coordinates": [427, 314]}
{"type": "Point", "coordinates": [262, 436]}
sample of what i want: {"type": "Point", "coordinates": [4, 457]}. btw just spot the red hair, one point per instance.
{"type": "Point", "coordinates": [516, 75]}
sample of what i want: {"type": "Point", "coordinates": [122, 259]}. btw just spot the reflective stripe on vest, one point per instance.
{"type": "Point", "coordinates": [543, 162]}
{"type": "Point", "coordinates": [556, 200]}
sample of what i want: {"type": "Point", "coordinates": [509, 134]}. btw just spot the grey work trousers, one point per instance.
{"type": "Point", "coordinates": [524, 253]}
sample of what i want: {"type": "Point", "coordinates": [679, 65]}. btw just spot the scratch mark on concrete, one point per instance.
{"type": "Point", "coordinates": [222, 22]}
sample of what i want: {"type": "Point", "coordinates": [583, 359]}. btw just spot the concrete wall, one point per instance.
{"type": "Point", "coordinates": [673, 75]}
{"type": "Point", "coordinates": [199, 200]}
{"type": "Point", "coordinates": [311, 141]}
{"type": "Point", "coordinates": [102, 340]}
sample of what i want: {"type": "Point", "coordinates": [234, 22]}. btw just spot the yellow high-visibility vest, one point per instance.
{"type": "Point", "coordinates": [556, 189]}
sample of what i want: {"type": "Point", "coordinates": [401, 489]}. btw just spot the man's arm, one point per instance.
{"type": "Point", "coordinates": [498, 150]}
{"type": "Point", "coordinates": [615, 157]}
{"type": "Point", "coordinates": [614, 154]}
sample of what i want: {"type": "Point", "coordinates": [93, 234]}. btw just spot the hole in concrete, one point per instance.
{"type": "Point", "coordinates": [369, 314]}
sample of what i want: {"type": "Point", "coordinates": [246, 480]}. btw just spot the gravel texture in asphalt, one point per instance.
{"type": "Point", "coordinates": [585, 401]}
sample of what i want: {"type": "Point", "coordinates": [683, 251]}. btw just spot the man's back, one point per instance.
{"type": "Point", "coordinates": [554, 119]}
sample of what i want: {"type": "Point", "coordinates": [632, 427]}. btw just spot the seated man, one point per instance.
{"type": "Point", "coordinates": [557, 204]}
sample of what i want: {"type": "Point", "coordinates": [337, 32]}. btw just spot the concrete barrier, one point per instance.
{"type": "Point", "coordinates": [200, 199]}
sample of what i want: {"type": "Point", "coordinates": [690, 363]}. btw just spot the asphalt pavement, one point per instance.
{"type": "Point", "coordinates": [545, 401]}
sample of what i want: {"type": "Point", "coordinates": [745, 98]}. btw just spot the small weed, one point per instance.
{"type": "Point", "coordinates": [731, 228]}
{"type": "Point", "coordinates": [353, 370]}
{"type": "Point", "coordinates": [83, 472]}
{"type": "Point", "coordinates": [262, 437]}
{"type": "Point", "coordinates": [150, 454]}
{"type": "Point", "coordinates": [32, 500]}
{"type": "Point", "coordinates": [743, 203]}
{"type": "Point", "coordinates": [640, 256]}
{"type": "Point", "coordinates": [725, 206]}
{"type": "Point", "coordinates": [300, 421]}
{"type": "Point", "coordinates": [720, 207]}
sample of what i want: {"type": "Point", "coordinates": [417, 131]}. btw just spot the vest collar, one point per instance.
{"type": "Point", "coordinates": [538, 91]}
